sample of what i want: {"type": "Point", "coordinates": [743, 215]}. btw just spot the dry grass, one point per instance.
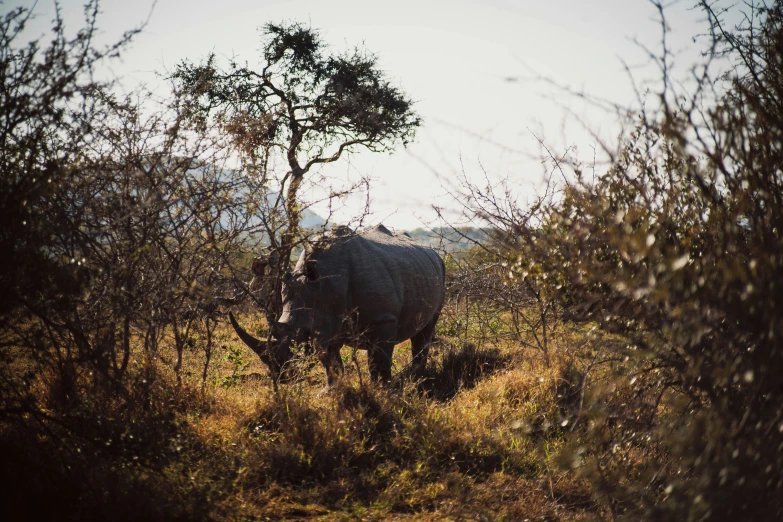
{"type": "Point", "coordinates": [477, 438]}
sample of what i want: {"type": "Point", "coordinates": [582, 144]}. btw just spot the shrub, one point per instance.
{"type": "Point", "coordinates": [677, 248]}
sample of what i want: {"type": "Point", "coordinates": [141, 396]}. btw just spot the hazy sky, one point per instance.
{"type": "Point", "coordinates": [470, 65]}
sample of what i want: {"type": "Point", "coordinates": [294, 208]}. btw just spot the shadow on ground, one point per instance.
{"type": "Point", "coordinates": [460, 369]}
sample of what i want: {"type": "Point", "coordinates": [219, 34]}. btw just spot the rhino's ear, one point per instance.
{"type": "Point", "coordinates": [311, 270]}
{"type": "Point", "coordinates": [263, 261]}
{"type": "Point", "coordinates": [341, 231]}
{"type": "Point", "coordinates": [259, 265]}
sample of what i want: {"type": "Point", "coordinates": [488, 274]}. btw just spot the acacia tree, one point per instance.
{"type": "Point", "coordinates": [305, 106]}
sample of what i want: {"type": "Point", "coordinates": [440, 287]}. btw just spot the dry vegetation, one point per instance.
{"type": "Point", "coordinates": [612, 351]}
{"type": "Point", "coordinates": [478, 439]}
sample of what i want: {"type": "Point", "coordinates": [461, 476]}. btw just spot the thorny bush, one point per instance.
{"type": "Point", "coordinates": [678, 249]}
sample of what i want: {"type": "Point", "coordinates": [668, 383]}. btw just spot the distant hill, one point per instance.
{"type": "Point", "coordinates": [449, 239]}
{"type": "Point", "coordinates": [307, 219]}
{"type": "Point", "coordinates": [310, 219]}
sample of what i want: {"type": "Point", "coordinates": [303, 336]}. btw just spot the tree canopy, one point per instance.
{"type": "Point", "coordinates": [305, 102]}
{"type": "Point", "coordinates": [306, 106]}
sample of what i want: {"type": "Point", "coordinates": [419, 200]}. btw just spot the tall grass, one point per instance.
{"type": "Point", "coordinates": [477, 437]}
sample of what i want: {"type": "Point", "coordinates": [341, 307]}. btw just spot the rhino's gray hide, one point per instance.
{"type": "Point", "coordinates": [371, 290]}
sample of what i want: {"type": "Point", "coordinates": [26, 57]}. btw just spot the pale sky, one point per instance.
{"type": "Point", "coordinates": [471, 67]}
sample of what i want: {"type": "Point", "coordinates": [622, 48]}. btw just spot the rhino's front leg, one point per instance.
{"type": "Point", "coordinates": [333, 363]}
{"type": "Point", "coordinates": [381, 361]}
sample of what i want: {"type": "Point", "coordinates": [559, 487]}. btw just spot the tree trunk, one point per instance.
{"type": "Point", "coordinates": [207, 353]}
{"type": "Point", "coordinates": [287, 241]}
{"type": "Point", "coordinates": [178, 343]}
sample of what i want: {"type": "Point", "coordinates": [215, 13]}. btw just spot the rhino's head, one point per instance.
{"type": "Point", "coordinates": [297, 315]}
{"type": "Point", "coordinates": [275, 354]}
{"type": "Point", "coordinates": [314, 295]}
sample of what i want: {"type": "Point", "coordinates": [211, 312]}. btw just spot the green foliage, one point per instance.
{"type": "Point", "coordinates": [305, 107]}
{"type": "Point", "coordinates": [304, 99]}
{"type": "Point", "coordinates": [235, 358]}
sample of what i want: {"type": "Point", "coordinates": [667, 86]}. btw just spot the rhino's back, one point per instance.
{"type": "Point", "coordinates": [393, 276]}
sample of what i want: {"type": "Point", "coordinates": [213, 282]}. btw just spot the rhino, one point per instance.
{"type": "Point", "coordinates": [370, 290]}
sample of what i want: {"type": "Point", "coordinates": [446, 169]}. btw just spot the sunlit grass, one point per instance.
{"type": "Point", "coordinates": [479, 434]}
{"type": "Point", "coordinates": [360, 450]}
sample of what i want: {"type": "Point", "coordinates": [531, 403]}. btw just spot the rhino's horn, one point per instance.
{"type": "Point", "coordinates": [275, 354]}
{"type": "Point", "coordinates": [258, 346]}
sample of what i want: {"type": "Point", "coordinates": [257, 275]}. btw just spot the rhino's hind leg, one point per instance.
{"type": "Point", "coordinates": [420, 346]}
